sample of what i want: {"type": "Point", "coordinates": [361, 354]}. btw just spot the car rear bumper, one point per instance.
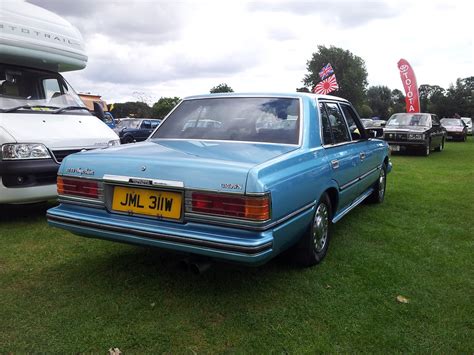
{"type": "Point", "coordinates": [231, 244]}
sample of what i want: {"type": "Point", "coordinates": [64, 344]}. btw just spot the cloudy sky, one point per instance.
{"type": "Point", "coordinates": [144, 49]}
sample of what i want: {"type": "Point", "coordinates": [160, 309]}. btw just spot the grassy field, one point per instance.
{"type": "Point", "coordinates": [62, 293]}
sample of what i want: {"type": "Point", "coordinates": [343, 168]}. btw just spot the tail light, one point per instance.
{"type": "Point", "coordinates": [78, 187]}
{"type": "Point", "coordinates": [256, 208]}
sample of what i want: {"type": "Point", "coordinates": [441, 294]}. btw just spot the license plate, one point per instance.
{"type": "Point", "coordinates": [394, 148]}
{"type": "Point", "coordinates": [158, 203]}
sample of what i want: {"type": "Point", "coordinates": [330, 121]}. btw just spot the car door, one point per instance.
{"type": "Point", "coordinates": [370, 150]}
{"type": "Point", "coordinates": [145, 130]}
{"type": "Point", "coordinates": [342, 153]}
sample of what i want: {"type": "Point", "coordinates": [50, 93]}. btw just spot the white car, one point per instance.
{"type": "Point", "coordinates": [468, 122]}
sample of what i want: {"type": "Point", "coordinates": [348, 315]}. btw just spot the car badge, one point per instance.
{"type": "Point", "coordinates": [80, 171]}
{"type": "Point", "coordinates": [143, 168]}
{"type": "Point", "coordinates": [231, 186]}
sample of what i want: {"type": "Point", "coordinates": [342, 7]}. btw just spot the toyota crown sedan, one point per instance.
{"type": "Point", "coordinates": [272, 175]}
{"type": "Point", "coordinates": [420, 132]}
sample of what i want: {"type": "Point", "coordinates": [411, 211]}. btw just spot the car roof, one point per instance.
{"type": "Point", "coordinates": [267, 94]}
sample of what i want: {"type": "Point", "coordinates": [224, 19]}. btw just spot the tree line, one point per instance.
{"type": "Point", "coordinates": [351, 73]}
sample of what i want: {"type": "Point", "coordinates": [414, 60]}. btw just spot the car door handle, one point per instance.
{"type": "Point", "coordinates": [362, 156]}
{"type": "Point", "coordinates": [335, 164]}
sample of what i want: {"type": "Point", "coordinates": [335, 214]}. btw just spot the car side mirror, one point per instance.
{"type": "Point", "coordinates": [99, 111]}
{"type": "Point", "coordinates": [375, 133]}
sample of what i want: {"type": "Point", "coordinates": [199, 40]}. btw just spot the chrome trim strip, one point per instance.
{"type": "Point", "coordinates": [81, 202]}
{"type": "Point", "coordinates": [154, 182]}
{"type": "Point", "coordinates": [164, 237]}
{"type": "Point", "coordinates": [195, 217]}
{"type": "Point", "coordinates": [221, 141]}
{"type": "Point", "coordinates": [363, 176]}
{"type": "Point", "coordinates": [80, 177]}
{"type": "Point", "coordinates": [352, 206]}
{"type": "Point", "coordinates": [349, 184]}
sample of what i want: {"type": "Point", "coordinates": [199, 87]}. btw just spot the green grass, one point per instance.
{"type": "Point", "coordinates": [62, 293]}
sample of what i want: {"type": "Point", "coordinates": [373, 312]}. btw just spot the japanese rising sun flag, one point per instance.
{"type": "Point", "coordinates": [326, 86]}
{"type": "Point", "coordinates": [327, 70]}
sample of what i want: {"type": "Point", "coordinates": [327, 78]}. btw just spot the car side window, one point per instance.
{"type": "Point", "coordinates": [146, 125]}
{"type": "Point", "coordinates": [338, 124]}
{"type": "Point", "coordinates": [326, 126]}
{"type": "Point", "coordinates": [355, 126]}
{"type": "Point", "coordinates": [434, 120]}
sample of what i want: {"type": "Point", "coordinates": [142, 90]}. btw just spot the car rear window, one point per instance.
{"type": "Point", "coordinates": [251, 119]}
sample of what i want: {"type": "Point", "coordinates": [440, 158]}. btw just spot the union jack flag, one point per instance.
{"type": "Point", "coordinates": [326, 71]}
{"type": "Point", "coordinates": [326, 86]}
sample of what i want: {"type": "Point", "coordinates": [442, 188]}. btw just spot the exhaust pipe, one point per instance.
{"type": "Point", "coordinates": [196, 266]}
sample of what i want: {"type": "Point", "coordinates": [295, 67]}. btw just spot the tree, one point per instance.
{"type": "Point", "coordinates": [426, 92]}
{"type": "Point", "coordinates": [221, 88]}
{"type": "Point", "coordinates": [380, 100]}
{"type": "Point", "coordinates": [131, 109]}
{"type": "Point", "coordinates": [163, 106]}
{"type": "Point", "coordinates": [350, 71]}
{"type": "Point", "coordinates": [398, 102]}
{"type": "Point", "coordinates": [365, 111]}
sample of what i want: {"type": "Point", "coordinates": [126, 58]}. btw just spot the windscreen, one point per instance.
{"type": "Point", "coordinates": [408, 119]}
{"type": "Point", "coordinates": [33, 88]}
{"type": "Point", "coordinates": [250, 119]}
{"type": "Point", "coordinates": [129, 124]}
{"type": "Point", "coordinates": [451, 122]}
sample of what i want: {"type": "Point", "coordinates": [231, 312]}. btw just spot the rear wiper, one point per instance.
{"type": "Point", "coordinates": [31, 107]}
{"type": "Point", "coordinates": [71, 108]}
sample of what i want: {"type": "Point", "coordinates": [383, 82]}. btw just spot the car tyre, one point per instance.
{"type": "Point", "coordinates": [440, 148]}
{"type": "Point", "coordinates": [426, 152]}
{"type": "Point", "coordinates": [313, 247]}
{"type": "Point", "coordinates": [380, 186]}
{"type": "Point", "coordinates": [127, 139]}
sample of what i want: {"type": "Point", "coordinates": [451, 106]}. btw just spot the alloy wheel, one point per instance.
{"type": "Point", "coordinates": [382, 184]}
{"type": "Point", "coordinates": [320, 227]}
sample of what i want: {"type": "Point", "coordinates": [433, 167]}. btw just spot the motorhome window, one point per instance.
{"type": "Point", "coordinates": [26, 87]}
{"type": "Point", "coordinates": [51, 88]}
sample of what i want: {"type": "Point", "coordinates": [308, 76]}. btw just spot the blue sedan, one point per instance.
{"type": "Point", "coordinates": [272, 172]}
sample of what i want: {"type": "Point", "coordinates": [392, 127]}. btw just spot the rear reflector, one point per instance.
{"type": "Point", "coordinates": [78, 187]}
{"type": "Point", "coordinates": [255, 208]}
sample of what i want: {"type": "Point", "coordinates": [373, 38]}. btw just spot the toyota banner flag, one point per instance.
{"type": "Point", "coordinates": [412, 97]}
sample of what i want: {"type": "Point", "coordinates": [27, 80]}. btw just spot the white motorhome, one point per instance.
{"type": "Point", "coordinates": [42, 119]}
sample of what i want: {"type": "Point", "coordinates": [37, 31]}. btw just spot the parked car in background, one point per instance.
{"type": "Point", "coordinates": [378, 122]}
{"type": "Point", "coordinates": [367, 122]}
{"type": "Point", "coordinates": [136, 129]}
{"type": "Point", "coordinates": [415, 131]}
{"type": "Point", "coordinates": [455, 128]}
{"type": "Point", "coordinates": [375, 130]}
{"type": "Point", "coordinates": [468, 122]}
{"type": "Point", "coordinates": [275, 172]}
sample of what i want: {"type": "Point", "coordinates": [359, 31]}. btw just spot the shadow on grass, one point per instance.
{"type": "Point", "coordinates": [24, 212]}
{"type": "Point", "coordinates": [134, 268]}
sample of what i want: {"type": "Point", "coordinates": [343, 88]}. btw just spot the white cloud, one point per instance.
{"type": "Point", "coordinates": [184, 47]}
